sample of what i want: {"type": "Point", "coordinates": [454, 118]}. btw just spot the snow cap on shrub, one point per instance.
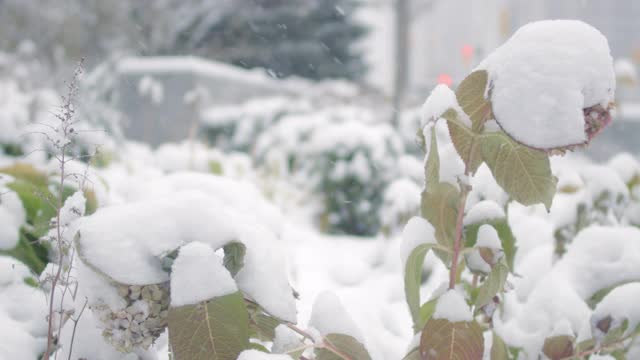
{"type": "Point", "coordinates": [552, 84]}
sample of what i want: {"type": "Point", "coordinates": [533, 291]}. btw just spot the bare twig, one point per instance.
{"type": "Point", "coordinates": [64, 132]}
{"type": "Point", "coordinates": [75, 325]}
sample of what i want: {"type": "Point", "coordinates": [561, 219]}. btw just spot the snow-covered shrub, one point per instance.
{"type": "Point", "coordinates": [195, 156]}
{"type": "Point", "coordinates": [547, 90]}
{"type": "Point", "coordinates": [350, 164]}
{"type": "Point", "coordinates": [238, 127]}
{"type": "Point", "coordinates": [401, 201]}
{"type": "Point", "coordinates": [593, 195]}
{"type": "Point", "coordinates": [27, 208]}
{"type": "Point", "coordinates": [342, 155]}
{"type": "Point", "coordinates": [198, 255]}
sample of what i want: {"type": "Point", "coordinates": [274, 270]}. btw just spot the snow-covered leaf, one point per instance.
{"type": "Point", "coordinates": [601, 294]}
{"type": "Point", "coordinates": [432, 167]}
{"type": "Point", "coordinates": [524, 173]}
{"type": "Point", "coordinates": [445, 340]}
{"type": "Point", "coordinates": [216, 329]}
{"type": "Point", "coordinates": [471, 97]}
{"type": "Point", "coordinates": [493, 284]}
{"type": "Point", "coordinates": [464, 140]}
{"type": "Point", "coordinates": [346, 345]}
{"type": "Point", "coordinates": [544, 76]}
{"type": "Point", "coordinates": [558, 347]}
{"type": "Point", "coordinates": [507, 239]}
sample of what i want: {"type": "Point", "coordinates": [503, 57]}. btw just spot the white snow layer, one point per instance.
{"type": "Point", "coordinates": [544, 76]}
{"type": "Point", "coordinates": [12, 216]}
{"type": "Point", "coordinates": [488, 237]}
{"type": "Point", "coordinates": [417, 231]}
{"type": "Point", "coordinates": [73, 208]}
{"type": "Point", "coordinates": [22, 313]}
{"type": "Point", "coordinates": [259, 355]}
{"type": "Point", "coordinates": [439, 101]}
{"type": "Point", "coordinates": [451, 306]}
{"type": "Point", "coordinates": [621, 304]}
{"type": "Point", "coordinates": [127, 242]}
{"type": "Point", "coordinates": [197, 274]}
{"type": "Point", "coordinates": [285, 340]}
{"type": "Point", "coordinates": [329, 316]}
{"type": "Point", "coordinates": [485, 210]}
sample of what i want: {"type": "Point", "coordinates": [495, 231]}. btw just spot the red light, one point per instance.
{"type": "Point", "coordinates": [445, 79]}
{"type": "Point", "coordinates": [467, 51]}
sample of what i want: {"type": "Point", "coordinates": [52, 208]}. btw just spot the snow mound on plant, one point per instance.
{"type": "Point", "coordinates": [128, 243]}
{"type": "Point", "coordinates": [620, 304]}
{"type": "Point", "coordinates": [439, 101]}
{"type": "Point", "coordinates": [451, 306]}
{"type": "Point", "coordinates": [198, 275]}
{"type": "Point", "coordinates": [543, 77]}
{"type": "Point", "coordinates": [242, 196]}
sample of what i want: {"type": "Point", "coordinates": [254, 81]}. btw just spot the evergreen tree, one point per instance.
{"type": "Point", "coordinates": [308, 38]}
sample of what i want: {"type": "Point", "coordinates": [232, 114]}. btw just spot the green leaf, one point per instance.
{"type": "Point", "coordinates": [470, 95]}
{"type": "Point", "coordinates": [345, 344]}
{"type": "Point", "coordinates": [37, 201]}
{"type": "Point", "coordinates": [261, 325]}
{"type": "Point", "coordinates": [426, 311]}
{"type": "Point", "coordinates": [444, 340]}
{"type": "Point", "coordinates": [524, 173]}
{"type": "Point", "coordinates": [31, 281]}
{"type": "Point", "coordinates": [26, 172]}
{"type": "Point", "coordinates": [215, 167]}
{"type": "Point", "coordinates": [440, 207]}
{"type": "Point", "coordinates": [29, 252]}
{"type": "Point", "coordinates": [216, 329]}
{"type": "Point", "coordinates": [259, 347]}
{"type": "Point", "coordinates": [432, 167]}
{"type": "Point", "coordinates": [414, 354]}
{"type": "Point", "coordinates": [412, 281]}
{"type": "Point", "coordinates": [499, 350]}
{"type": "Point", "coordinates": [464, 141]}
{"type": "Point", "coordinates": [602, 293]}
{"type": "Point", "coordinates": [493, 284]}
{"type": "Point", "coordinates": [234, 256]}
{"type": "Point", "coordinates": [612, 335]}
{"type": "Point", "coordinates": [558, 347]}
{"type": "Point", "coordinates": [585, 345]}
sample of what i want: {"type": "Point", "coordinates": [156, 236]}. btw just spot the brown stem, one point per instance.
{"type": "Point", "coordinates": [75, 325]}
{"type": "Point", "coordinates": [582, 354]}
{"type": "Point", "coordinates": [325, 343]}
{"type": "Point", "coordinates": [56, 278]}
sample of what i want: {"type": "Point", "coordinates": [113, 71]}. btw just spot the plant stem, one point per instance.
{"type": "Point", "coordinates": [56, 278]}
{"type": "Point", "coordinates": [325, 343]}
{"type": "Point", "coordinates": [457, 245]}
{"type": "Point", "coordinates": [608, 346]}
